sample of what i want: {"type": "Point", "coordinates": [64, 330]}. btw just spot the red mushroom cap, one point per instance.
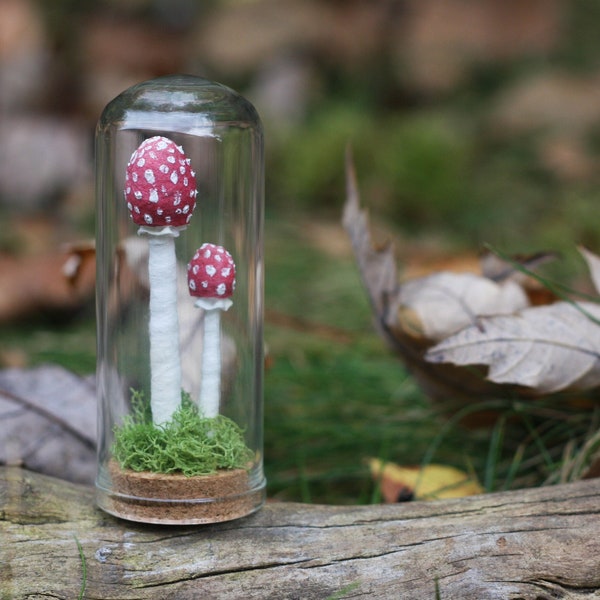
{"type": "Point", "coordinates": [160, 186]}
{"type": "Point", "coordinates": [211, 272]}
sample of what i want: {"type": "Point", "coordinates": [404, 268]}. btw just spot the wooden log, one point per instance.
{"type": "Point", "coordinates": [534, 544]}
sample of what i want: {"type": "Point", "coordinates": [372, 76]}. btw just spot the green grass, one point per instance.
{"type": "Point", "coordinates": [334, 395]}
{"type": "Point", "coordinates": [83, 569]}
{"type": "Point", "coordinates": [70, 343]}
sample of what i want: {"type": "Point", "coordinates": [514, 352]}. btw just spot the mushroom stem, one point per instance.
{"type": "Point", "coordinates": [210, 384]}
{"type": "Point", "coordinates": [165, 364]}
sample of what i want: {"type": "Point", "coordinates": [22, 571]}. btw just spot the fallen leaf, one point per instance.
{"type": "Point", "coordinates": [451, 329]}
{"type": "Point", "coordinates": [48, 422]}
{"type": "Point", "coordinates": [429, 307]}
{"type": "Point", "coordinates": [432, 482]}
{"type": "Point", "coordinates": [549, 348]}
{"type": "Point", "coordinates": [398, 323]}
{"type": "Point", "coordinates": [439, 305]}
{"type": "Point", "coordinates": [376, 265]}
{"type": "Point", "coordinates": [61, 282]}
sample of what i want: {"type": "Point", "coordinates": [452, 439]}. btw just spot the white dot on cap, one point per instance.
{"type": "Point", "coordinates": [153, 195]}
{"type": "Point", "coordinates": [163, 169]}
{"type": "Point", "coordinates": [149, 175]}
{"type": "Point", "coordinates": [148, 219]}
{"type": "Point", "coordinates": [210, 270]}
{"type": "Point", "coordinates": [221, 289]}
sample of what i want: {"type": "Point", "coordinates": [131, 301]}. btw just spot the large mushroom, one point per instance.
{"type": "Point", "coordinates": [160, 190]}
{"type": "Point", "coordinates": [211, 280]}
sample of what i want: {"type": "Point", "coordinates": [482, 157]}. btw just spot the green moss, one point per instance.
{"type": "Point", "coordinates": [190, 443]}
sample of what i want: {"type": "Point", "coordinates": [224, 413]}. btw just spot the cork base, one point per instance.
{"type": "Point", "coordinates": [174, 499]}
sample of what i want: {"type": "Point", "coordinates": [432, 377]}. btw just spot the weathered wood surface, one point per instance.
{"type": "Point", "coordinates": [535, 544]}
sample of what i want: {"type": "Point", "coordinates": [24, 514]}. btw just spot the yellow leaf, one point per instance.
{"type": "Point", "coordinates": [433, 482]}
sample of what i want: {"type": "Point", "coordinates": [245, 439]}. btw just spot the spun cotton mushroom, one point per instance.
{"type": "Point", "coordinates": [211, 279]}
{"type": "Point", "coordinates": [160, 190]}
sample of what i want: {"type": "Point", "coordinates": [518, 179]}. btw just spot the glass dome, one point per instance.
{"type": "Point", "coordinates": [179, 175]}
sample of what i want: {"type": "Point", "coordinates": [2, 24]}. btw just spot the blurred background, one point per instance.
{"type": "Point", "coordinates": [472, 122]}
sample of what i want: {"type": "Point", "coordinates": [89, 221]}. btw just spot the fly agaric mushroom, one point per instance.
{"type": "Point", "coordinates": [211, 279]}
{"type": "Point", "coordinates": [160, 190]}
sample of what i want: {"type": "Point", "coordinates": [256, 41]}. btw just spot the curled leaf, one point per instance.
{"type": "Point", "coordinates": [549, 348]}
{"type": "Point", "coordinates": [439, 305]}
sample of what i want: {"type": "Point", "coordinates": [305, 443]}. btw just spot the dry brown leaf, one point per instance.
{"type": "Point", "coordinates": [61, 282]}
{"type": "Point", "coordinates": [48, 422]}
{"type": "Point", "coordinates": [377, 266]}
{"type": "Point", "coordinates": [478, 324]}
{"type": "Point", "coordinates": [432, 482]}
{"type": "Point", "coordinates": [399, 324]}
{"type": "Point", "coordinates": [548, 348]}
{"type": "Point", "coordinates": [430, 307]}
{"type": "Point", "coordinates": [441, 304]}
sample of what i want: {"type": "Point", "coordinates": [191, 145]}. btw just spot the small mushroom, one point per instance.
{"type": "Point", "coordinates": [160, 190]}
{"type": "Point", "coordinates": [211, 280]}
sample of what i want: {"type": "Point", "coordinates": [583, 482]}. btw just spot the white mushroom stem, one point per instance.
{"type": "Point", "coordinates": [165, 362]}
{"type": "Point", "coordinates": [210, 384]}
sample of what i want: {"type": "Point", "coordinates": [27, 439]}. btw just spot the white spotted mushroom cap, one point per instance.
{"type": "Point", "coordinates": [211, 274]}
{"type": "Point", "coordinates": [160, 186]}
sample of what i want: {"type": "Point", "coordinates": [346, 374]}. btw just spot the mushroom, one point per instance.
{"type": "Point", "coordinates": [211, 279]}
{"type": "Point", "coordinates": [160, 190]}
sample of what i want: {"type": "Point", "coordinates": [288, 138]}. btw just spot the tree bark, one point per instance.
{"type": "Point", "coordinates": [531, 544]}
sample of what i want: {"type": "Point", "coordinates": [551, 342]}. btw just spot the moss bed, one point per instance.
{"type": "Point", "coordinates": [189, 443]}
